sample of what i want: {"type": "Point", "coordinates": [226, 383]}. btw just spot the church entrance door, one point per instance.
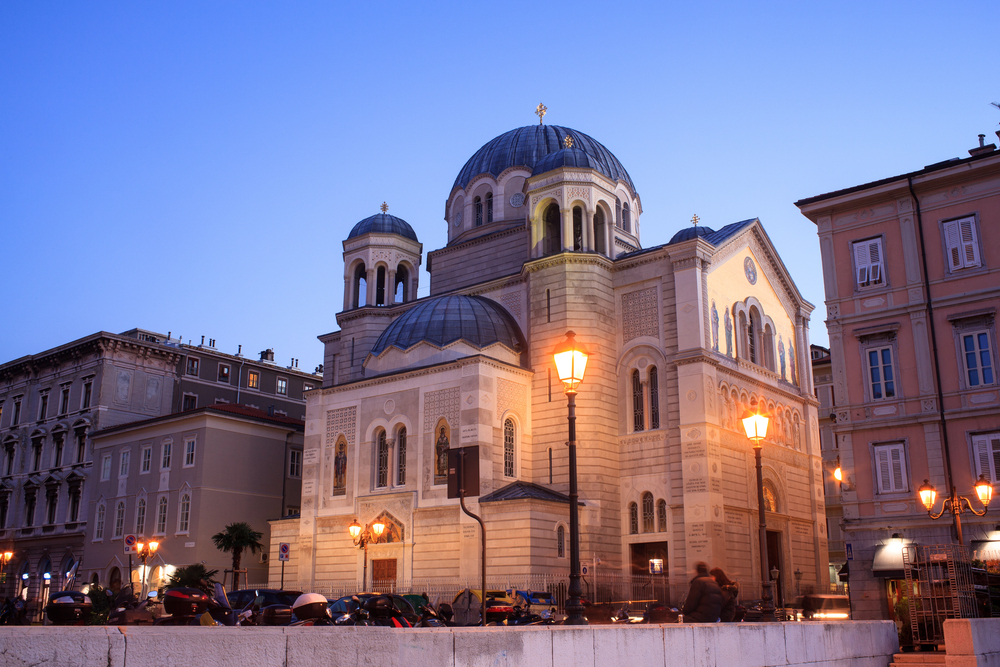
{"type": "Point", "coordinates": [384, 575]}
{"type": "Point", "coordinates": [645, 586]}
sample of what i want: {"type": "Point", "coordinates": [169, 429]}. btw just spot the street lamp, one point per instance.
{"type": "Point", "coordinates": [956, 503]}
{"type": "Point", "coordinates": [371, 533]}
{"type": "Point", "coordinates": [144, 551]}
{"type": "Point", "coordinates": [755, 425]}
{"type": "Point", "coordinates": [571, 362]}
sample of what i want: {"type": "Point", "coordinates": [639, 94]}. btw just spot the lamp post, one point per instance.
{"type": "Point", "coordinates": [571, 362]}
{"type": "Point", "coordinates": [362, 537]}
{"type": "Point", "coordinates": [955, 503]}
{"type": "Point", "coordinates": [755, 425]}
{"type": "Point", "coordinates": [144, 551]}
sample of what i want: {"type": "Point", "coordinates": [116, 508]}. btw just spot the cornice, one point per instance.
{"type": "Point", "coordinates": [373, 311]}
{"type": "Point", "coordinates": [591, 258]}
{"type": "Point", "coordinates": [423, 371]}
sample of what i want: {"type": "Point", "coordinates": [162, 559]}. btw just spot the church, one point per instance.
{"type": "Point", "coordinates": [544, 237]}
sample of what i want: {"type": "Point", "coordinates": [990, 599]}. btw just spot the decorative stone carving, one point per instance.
{"type": "Point", "coordinates": [511, 396]}
{"type": "Point", "coordinates": [516, 200]}
{"type": "Point", "coordinates": [389, 407]}
{"type": "Point", "coordinates": [639, 314]}
{"type": "Point", "coordinates": [579, 193]}
{"type": "Point", "coordinates": [341, 421]}
{"type": "Point", "coordinates": [512, 302]}
{"type": "Point", "coordinates": [442, 403]}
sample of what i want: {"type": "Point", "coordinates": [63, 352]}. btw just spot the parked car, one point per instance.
{"type": "Point", "coordinates": [347, 605]}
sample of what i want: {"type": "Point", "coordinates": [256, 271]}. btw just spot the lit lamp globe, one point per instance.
{"type": "Point", "coordinates": [928, 495]}
{"type": "Point", "coordinates": [571, 362]}
{"type": "Point", "coordinates": [377, 529]}
{"type": "Point", "coordinates": [755, 425]}
{"type": "Point", "coordinates": [355, 529]}
{"type": "Point", "coordinates": [984, 490]}
{"type": "Point", "coordinates": [838, 474]}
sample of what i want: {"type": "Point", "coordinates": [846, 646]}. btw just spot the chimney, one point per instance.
{"type": "Point", "coordinates": [267, 355]}
{"type": "Point", "coordinates": [202, 342]}
{"type": "Point", "coordinates": [239, 351]}
{"type": "Point", "coordinates": [983, 147]}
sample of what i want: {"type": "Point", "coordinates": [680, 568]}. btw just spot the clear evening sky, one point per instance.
{"type": "Point", "coordinates": [194, 167]}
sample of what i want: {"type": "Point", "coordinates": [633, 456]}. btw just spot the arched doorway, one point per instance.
{"type": "Point", "coordinates": [115, 580]}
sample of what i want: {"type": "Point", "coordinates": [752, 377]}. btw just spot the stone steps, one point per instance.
{"type": "Point", "coordinates": [928, 659]}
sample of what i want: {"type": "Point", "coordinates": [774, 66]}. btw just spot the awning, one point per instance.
{"type": "Point", "coordinates": [888, 561]}
{"type": "Point", "coordinates": [844, 574]}
{"type": "Point", "coordinates": [985, 550]}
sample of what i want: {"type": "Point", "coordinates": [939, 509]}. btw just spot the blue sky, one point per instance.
{"type": "Point", "coordinates": [194, 167]}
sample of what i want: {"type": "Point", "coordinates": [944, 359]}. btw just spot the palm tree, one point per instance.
{"type": "Point", "coordinates": [237, 537]}
{"type": "Point", "coordinates": [193, 576]}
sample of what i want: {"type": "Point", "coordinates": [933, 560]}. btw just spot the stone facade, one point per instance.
{"type": "Point", "coordinates": [910, 273]}
{"type": "Point", "coordinates": [663, 467]}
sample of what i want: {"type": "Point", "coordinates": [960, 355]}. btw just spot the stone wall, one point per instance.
{"type": "Point", "coordinates": [972, 642]}
{"type": "Point", "coordinates": [851, 644]}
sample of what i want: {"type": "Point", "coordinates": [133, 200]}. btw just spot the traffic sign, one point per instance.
{"type": "Point", "coordinates": [850, 551]}
{"type": "Point", "coordinates": [129, 542]}
{"type": "Point", "coordinates": [283, 550]}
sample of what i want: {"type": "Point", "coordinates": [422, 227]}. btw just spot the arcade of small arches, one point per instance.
{"type": "Point", "coordinates": [786, 422]}
{"type": "Point", "coordinates": [578, 228]}
{"type": "Point", "coordinates": [371, 286]}
{"type": "Point", "coordinates": [755, 336]}
{"type": "Point", "coordinates": [653, 520]}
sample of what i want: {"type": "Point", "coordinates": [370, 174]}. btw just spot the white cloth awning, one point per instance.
{"type": "Point", "coordinates": [888, 560]}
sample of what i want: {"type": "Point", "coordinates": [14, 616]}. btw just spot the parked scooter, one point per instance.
{"type": "Point", "coordinates": [376, 610]}
{"type": "Point", "coordinates": [127, 609]}
{"type": "Point", "coordinates": [14, 612]}
{"type": "Point", "coordinates": [429, 618]}
{"type": "Point", "coordinates": [311, 609]}
{"type": "Point", "coordinates": [184, 606]}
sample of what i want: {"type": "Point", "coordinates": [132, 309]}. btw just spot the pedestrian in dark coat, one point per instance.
{"type": "Point", "coordinates": [704, 600]}
{"type": "Point", "coordinates": [729, 594]}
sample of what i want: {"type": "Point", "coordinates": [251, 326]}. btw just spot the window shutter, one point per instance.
{"type": "Point", "coordinates": [896, 455]}
{"type": "Point", "coordinates": [875, 259]}
{"type": "Point", "coordinates": [994, 439]}
{"type": "Point", "coordinates": [861, 256]}
{"type": "Point", "coordinates": [883, 471]}
{"type": "Point", "coordinates": [970, 246]}
{"type": "Point", "coordinates": [952, 239]}
{"type": "Point", "coordinates": [981, 446]}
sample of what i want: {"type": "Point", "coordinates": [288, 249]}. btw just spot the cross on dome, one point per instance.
{"type": "Point", "coordinates": [384, 207]}
{"type": "Point", "coordinates": [568, 141]}
{"type": "Point", "coordinates": [540, 112]}
{"type": "Point", "coordinates": [695, 219]}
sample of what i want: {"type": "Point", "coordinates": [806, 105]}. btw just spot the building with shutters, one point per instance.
{"type": "Point", "coordinates": [911, 268]}
{"type": "Point", "coordinates": [543, 226]}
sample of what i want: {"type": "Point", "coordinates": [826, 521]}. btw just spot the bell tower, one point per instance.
{"type": "Point", "coordinates": [381, 262]}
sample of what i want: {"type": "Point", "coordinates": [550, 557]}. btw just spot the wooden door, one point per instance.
{"type": "Point", "coordinates": [384, 575]}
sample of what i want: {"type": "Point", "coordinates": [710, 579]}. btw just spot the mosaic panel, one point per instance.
{"type": "Point", "coordinates": [342, 420]}
{"type": "Point", "coordinates": [442, 403]}
{"type": "Point", "coordinates": [639, 314]}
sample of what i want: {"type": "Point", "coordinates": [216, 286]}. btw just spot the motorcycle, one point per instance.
{"type": "Point", "coordinates": [376, 610]}
{"type": "Point", "coordinates": [126, 609]}
{"type": "Point", "coordinates": [14, 612]}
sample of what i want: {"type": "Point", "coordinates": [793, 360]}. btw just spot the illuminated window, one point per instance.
{"type": "Point", "coordinates": [253, 380]}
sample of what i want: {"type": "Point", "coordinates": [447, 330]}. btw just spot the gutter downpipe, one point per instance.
{"type": "Point", "coordinates": [934, 353]}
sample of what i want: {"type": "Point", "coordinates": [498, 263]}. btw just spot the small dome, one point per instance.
{"type": "Point", "coordinates": [689, 233]}
{"type": "Point", "coordinates": [447, 319]}
{"type": "Point", "coordinates": [567, 157]}
{"type": "Point", "coordinates": [526, 146]}
{"type": "Point", "coordinates": [383, 223]}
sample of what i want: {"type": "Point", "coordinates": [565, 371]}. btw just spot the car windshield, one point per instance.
{"type": "Point", "coordinates": [267, 598]}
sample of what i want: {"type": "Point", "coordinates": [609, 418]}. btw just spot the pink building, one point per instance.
{"type": "Point", "coordinates": [911, 266]}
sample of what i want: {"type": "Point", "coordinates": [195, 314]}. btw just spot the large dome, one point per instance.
{"type": "Point", "coordinates": [383, 223]}
{"type": "Point", "coordinates": [526, 146]}
{"type": "Point", "coordinates": [447, 319]}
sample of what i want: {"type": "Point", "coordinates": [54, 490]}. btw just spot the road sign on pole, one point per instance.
{"type": "Point", "coordinates": [129, 543]}
{"type": "Point", "coordinates": [284, 548]}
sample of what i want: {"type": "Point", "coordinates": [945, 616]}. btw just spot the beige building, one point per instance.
{"type": "Point", "coordinates": [911, 276]}
{"type": "Point", "coordinates": [544, 237]}
{"type": "Point", "coordinates": [181, 478]}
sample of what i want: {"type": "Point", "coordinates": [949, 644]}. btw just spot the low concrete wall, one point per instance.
{"type": "Point", "coordinates": [972, 642]}
{"type": "Point", "coordinates": [848, 644]}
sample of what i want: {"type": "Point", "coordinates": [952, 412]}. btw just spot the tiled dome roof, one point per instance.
{"type": "Point", "coordinates": [447, 319]}
{"type": "Point", "coordinates": [567, 157]}
{"type": "Point", "coordinates": [526, 146]}
{"type": "Point", "coordinates": [383, 223]}
{"type": "Point", "coordinates": [689, 233]}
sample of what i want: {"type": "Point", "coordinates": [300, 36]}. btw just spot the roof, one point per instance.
{"type": "Point", "coordinates": [447, 319]}
{"type": "Point", "coordinates": [716, 238]}
{"type": "Point", "coordinates": [525, 490]}
{"type": "Point", "coordinates": [526, 146]}
{"type": "Point", "coordinates": [567, 157]}
{"type": "Point", "coordinates": [231, 409]}
{"type": "Point", "coordinates": [937, 166]}
{"type": "Point", "coordinates": [383, 223]}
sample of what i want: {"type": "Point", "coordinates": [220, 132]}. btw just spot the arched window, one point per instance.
{"type": "Point", "coordinates": [647, 512]}
{"type": "Point", "coordinates": [399, 289]}
{"type": "Point", "coordinates": [654, 398]}
{"type": "Point", "coordinates": [489, 207]}
{"type": "Point", "coordinates": [360, 285]}
{"type": "Point", "coordinates": [599, 232]}
{"type": "Point", "coordinates": [380, 278]}
{"type": "Point", "coordinates": [185, 514]}
{"type": "Point", "coordinates": [140, 517]}
{"type": "Point", "coordinates": [638, 418]}
{"type": "Point", "coordinates": [751, 340]}
{"type": "Point", "coordinates": [661, 515]}
{"type": "Point", "coordinates": [768, 347]}
{"type": "Point", "coordinates": [561, 542]}
{"type": "Point", "coordinates": [99, 523]}
{"type": "Point", "coordinates": [477, 204]}
{"type": "Point", "coordinates": [626, 220]}
{"type": "Point", "coordinates": [633, 519]}
{"type": "Point", "coordinates": [120, 519]}
{"type": "Point", "coordinates": [577, 229]}
{"type": "Point", "coordinates": [618, 213]}
{"type": "Point", "coordinates": [381, 461]}
{"type": "Point", "coordinates": [552, 242]}
{"type": "Point", "coordinates": [401, 457]}
{"type": "Point", "coordinates": [161, 516]}
{"type": "Point", "coordinates": [508, 448]}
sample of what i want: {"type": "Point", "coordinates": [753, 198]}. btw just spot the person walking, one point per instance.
{"type": "Point", "coordinates": [730, 592]}
{"type": "Point", "coordinates": [704, 600]}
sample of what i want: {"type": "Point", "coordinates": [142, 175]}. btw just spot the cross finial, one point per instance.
{"type": "Point", "coordinates": [695, 219]}
{"type": "Point", "coordinates": [540, 112]}
{"type": "Point", "coordinates": [568, 141]}
{"type": "Point", "coordinates": [384, 207]}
